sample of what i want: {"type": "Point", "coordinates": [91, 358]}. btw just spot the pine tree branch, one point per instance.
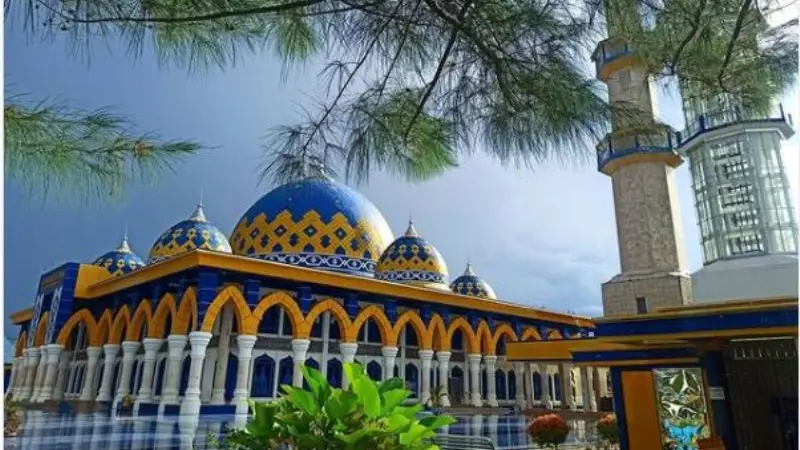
{"type": "Point", "coordinates": [689, 37]}
{"type": "Point", "coordinates": [733, 41]}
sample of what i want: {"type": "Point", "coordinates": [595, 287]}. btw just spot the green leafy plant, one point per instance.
{"type": "Point", "coordinates": [12, 419]}
{"type": "Point", "coordinates": [368, 415]}
{"type": "Point", "coordinates": [127, 403]}
{"type": "Point", "coordinates": [608, 431]}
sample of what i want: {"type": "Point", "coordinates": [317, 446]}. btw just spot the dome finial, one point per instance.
{"type": "Point", "coordinates": [198, 215]}
{"type": "Point", "coordinates": [468, 271]}
{"type": "Point", "coordinates": [123, 246]}
{"type": "Point", "coordinates": [411, 231]}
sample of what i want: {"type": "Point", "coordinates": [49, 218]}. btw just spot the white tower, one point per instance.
{"type": "Point", "coordinates": [747, 221]}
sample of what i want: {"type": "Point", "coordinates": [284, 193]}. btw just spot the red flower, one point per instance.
{"type": "Point", "coordinates": [607, 429]}
{"type": "Point", "coordinates": [549, 430]}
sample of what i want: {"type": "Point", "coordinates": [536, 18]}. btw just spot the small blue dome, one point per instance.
{"type": "Point", "coordinates": [472, 285]}
{"type": "Point", "coordinates": [317, 223]}
{"type": "Point", "coordinates": [196, 232]}
{"type": "Point", "coordinates": [121, 260]}
{"type": "Point", "coordinates": [410, 259]}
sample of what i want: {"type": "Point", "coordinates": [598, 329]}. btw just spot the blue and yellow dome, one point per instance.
{"type": "Point", "coordinates": [472, 285]}
{"type": "Point", "coordinates": [317, 223]}
{"type": "Point", "coordinates": [410, 259]}
{"type": "Point", "coordinates": [121, 260]}
{"type": "Point", "coordinates": [196, 232]}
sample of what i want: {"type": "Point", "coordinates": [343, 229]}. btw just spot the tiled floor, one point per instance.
{"type": "Point", "coordinates": [52, 431]}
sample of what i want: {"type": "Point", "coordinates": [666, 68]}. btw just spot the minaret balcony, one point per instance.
{"type": "Point", "coordinates": [711, 126]}
{"type": "Point", "coordinates": [611, 55]}
{"type": "Point", "coordinates": [618, 149]}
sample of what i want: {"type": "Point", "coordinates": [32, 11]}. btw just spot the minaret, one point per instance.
{"type": "Point", "coordinates": [748, 230]}
{"type": "Point", "coordinates": [640, 158]}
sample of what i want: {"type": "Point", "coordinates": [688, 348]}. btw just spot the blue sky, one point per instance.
{"type": "Point", "coordinates": [544, 238]}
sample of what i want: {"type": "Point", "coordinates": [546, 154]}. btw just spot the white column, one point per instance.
{"type": "Point", "coordinates": [151, 347]}
{"type": "Point", "coordinates": [491, 388]}
{"type": "Point", "coordinates": [425, 357]}
{"type": "Point", "coordinates": [544, 385]}
{"type": "Point", "coordinates": [190, 406]}
{"type": "Point", "coordinates": [589, 402]}
{"type": "Point", "coordinates": [32, 360]}
{"type": "Point", "coordinates": [92, 355]}
{"type": "Point", "coordinates": [519, 379]}
{"type": "Point", "coordinates": [12, 379]}
{"type": "Point", "coordinates": [110, 351]}
{"type": "Point", "coordinates": [389, 359]}
{"type": "Point", "coordinates": [176, 344]}
{"type": "Point", "coordinates": [207, 379]}
{"type": "Point", "coordinates": [326, 337]}
{"type": "Point", "coordinates": [240, 395]}
{"type": "Point", "coordinates": [129, 349]}
{"type": "Point", "coordinates": [348, 351]}
{"type": "Point", "coordinates": [62, 375]}
{"type": "Point", "coordinates": [39, 379]}
{"type": "Point", "coordinates": [529, 383]}
{"type": "Point", "coordinates": [475, 378]}
{"type": "Point", "coordinates": [53, 352]}
{"type": "Point", "coordinates": [466, 383]}
{"type": "Point", "coordinates": [444, 375]}
{"type": "Point", "coordinates": [567, 401]}
{"type": "Point", "coordinates": [223, 352]}
{"type": "Point", "coordinates": [299, 352]}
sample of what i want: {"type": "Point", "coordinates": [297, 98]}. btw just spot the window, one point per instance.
{"type": "Point", "coordinates": [641, 305]}
{"type": "Point", "coordinates": [748, 243]}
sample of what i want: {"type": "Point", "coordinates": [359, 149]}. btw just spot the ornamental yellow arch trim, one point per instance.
{"type": "Point", "coordinates": [41, 329]}
{"type": "Point", "coordinates": [484, 337]}
{"type": "Point", "coordinates": [85, 316]}
{"type": "Point", "coordinates": [185, 319]}
{"type": "Point", "coordinates": [388, 339]}
{"type": "Point", "coordinates": [240, 309]}
{"type": "Point", "coordinates": [554, 335]}
{"type": "Point", "coordinates": [438, 333]}
{"type": "Point", "coordinates": [460, 323]}
{"type": "Point", "coordinates": [290, 308]}
{"type": "Point", "coordinates": [104, 326]}
{"type": "Point", "coordinates": [166, 309]}
{"type": "Point", "coordinates": [532, 334]}
{"type": "Point", "coordinates": [411, 317]}
{"type": "Point", "coordinates": [141, 317]}
{"type": "Point", "coordinates": [20, 345]}
{"type": "Point", "coordinates": [121, 321]}
{"type": "Point", "coordinates": [338, 312]}
{"type": "Point", "coordinates": [503, 330]}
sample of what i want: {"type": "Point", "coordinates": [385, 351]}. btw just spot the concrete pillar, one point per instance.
{"type": "Point", "coordinates": [240, 395]}
{"type": "Point", "coordinates": [589, 402]}
{"type": "Point", "coordinates": [519, 379]}
{"type": "Point", "coordinates": [348, 351]}
{"type": "Point", "coordinates": [389, 359]}
{"type": "Point", "coordinates": [39, 378]}
{"type": "Point", "coordinates": [443, 358]}
{"type": "Point", "coordinates": [32, 360]}
{"type": "Point", "coordinates": [223, 352]}
{"type": "Point", "coordinates": [567, 402]}
{"type": "Point", "coordinates": [151, 347]}
{"type": "Point", "coordinates": [474, 363]}
{"type": "Point", "coordinates": [326, 337]}
{"type": "Point", "coordinates": [92, 355]}
{"type": "Point", "coordinates": [61, 375]}
{"type": "Point", "coordinates": [207, 379]}
{"type": "Point", "coordinates": [12, 378]}
{"type": "Point", "coordinates": [129, 350]}
{"type": "Point", "coordinates": [190, 406]}
{"type": "Point", "coordinates": [110, 352]}
{"type": "Point", "coordinates": [491, 389]}
{"type": "Point", "coordinates": [176, 344]}
{"type": "Point", "coordinates": [299, 352]}
{"type": "Point", "coordinates": [425, 357]}
{"type": "Point", "coordinates": [53, 353]}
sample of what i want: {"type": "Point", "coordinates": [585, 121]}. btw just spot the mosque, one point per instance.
{"type": "Point", "coordinates": [313, 274]}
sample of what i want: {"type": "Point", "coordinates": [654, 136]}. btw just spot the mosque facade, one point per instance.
{"type": "Point", "coordinates": [312, 274]}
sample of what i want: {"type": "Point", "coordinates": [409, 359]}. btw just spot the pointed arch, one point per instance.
{"type": "Point", "coordinates": [41, 330]}
{"type": "Point", "coordinates": [120, 324]}
{"type": "Point", "coordinates": [104, 326]}
{"type": "Point", "coordinates": [337, 311]}
{"type": "Point", "coordinates": [290, 308]}
{"type": "Point", "coordinates": [388, 339]}
{"type": "Point", "coordinates": [531, 334]}
{"type": "Point", "coordinates": [484, 337]}
{"type": "Point", "coordinates": [20, 345]}
{"type": "Point", "coordinates": [411, 317]}
{"type": "Point", "coordinates": [438, 333]}
{"type": "Point", "coordinates": [503, 330]}
{"type": "Point", "coordinates": [165, 309]}
{"type": "Point", "coordinates": [460, 323]}
{"type": "Point", "coordinates": [185, 319]}
{"type": "Point", "coordinates": [240, 309]}
{"type": "Point", "coordinates": [553, 335]}
{"type": "Point", "coordinates": [85, 316]}
{"type": "Point", "coordinates": [143, 315]}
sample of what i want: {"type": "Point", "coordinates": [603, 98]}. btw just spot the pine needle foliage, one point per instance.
{"type": "Point", "coordinates": [60, 152]}
{"type": "Point", "coordinates": [413, 86]}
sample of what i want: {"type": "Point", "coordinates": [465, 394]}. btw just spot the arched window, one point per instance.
{"type": "Point", "coordinates": [500, 384]}
{"type": "Point", "coordinates": [557, 388]}
{"type": "Point", "coordinates": [285, 371]}
{"type": "Point", "coordinates": [537, 386]}
{"type": "Point", "coordinates": [512, 385]}
{"type": "Point", "coordinates": [187, 362]}
{"type": "Point", "coordinates": [412, 379]}
{"type": "Point", "coordinates": [230, 376]}
{"type": "Point", "coordinates": [374, 370]}
{"type": "Point", "coordinates": [334, 374]}
{"type": "Point", "coordinates": [263, 377]}
{"type": "Point", "coordinates": [162, 365]}
{"type": "Point", "coordinates": [269, 322]}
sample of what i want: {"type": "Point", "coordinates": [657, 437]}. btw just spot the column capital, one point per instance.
{"type": "Point", "coordinates": [425, 355]}
{"type": "Point", "coordinates": [348, 348]}
{"type": "Point", "coordinates": [490, 359]}
{"type": "Point", "coordinates": [246, 343]}
{"type": "Point", "coordinates": [33, 352]}
{"type": "Point", "coordinates": [53, 351]}
{"type": "Point", "coordinates": [443, 356]}
{"type": "Point", "coordinates": [93, 352]}
{"type": "Point", "coordinates": [474, 358]}
{"type": "Point", "coordinates": [111, 348]}
{"type": "Point", "coordinates": [199, 341]}
{"type": "Point", "coordinates": [176, 344]}
{"type": "Point", "coordinates": [152, 345]}
{"type": "Point", "coordinates": [129, 348]}
{"type": "Point", "coordinates": [389, 352]}
{"type": "Point", "coordinates": [300, 345]}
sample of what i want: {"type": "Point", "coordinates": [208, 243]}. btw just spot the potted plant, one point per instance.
{"type": "Point", "coordinates": [608, 431]}
{"type": "Point", "coordinates": [12, 418]}
{"type": "Point", "coordinates": [126, 405]}
{"type": "Point", "coordinates": [549, 430]}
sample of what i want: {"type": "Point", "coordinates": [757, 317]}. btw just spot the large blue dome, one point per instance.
{"type": "Point", "coordinates": [317, 223]}
{"type": "Point", "coordinates": [411, 259]}
{"type": "Point", "coordinates": [472, 285]}
{"type": "Point", "coordinates": [196, 232]}
{"type": "Point", "coordinates": [121, 260]}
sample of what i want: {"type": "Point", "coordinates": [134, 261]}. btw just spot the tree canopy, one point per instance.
{"type": "Point", "coordinates": [414, 85]}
